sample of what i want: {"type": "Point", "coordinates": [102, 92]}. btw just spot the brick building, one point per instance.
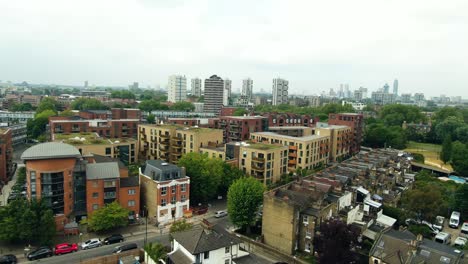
{"type": "Point", "coordinates": [340, 140]}
{"type": "Point", "coordinates": [170, 142]}
{"type": "Point", "coordinates": [108, 128]}
{"type": "Point", "coordinates": [290, 119]}
{"type": "Point", "coordinates": [355, 121]}
{"type": "Point", "coordinates": [238, 128]}
{"type": "Point", "coordinates": [228, 111]}
{"type": "Point", "coordinates": [6, 155]}
{"type": "Point", "coordinates": [165, 190]}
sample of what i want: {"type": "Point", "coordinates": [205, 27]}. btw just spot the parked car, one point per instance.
{"type": "Point", "coordinates": [116, 238]}
{"type": "Point", "coordinates": [126, 247]}
{"type": "Point", "coordinates": [219, 214]}
{"type": "Point", "coordinates": [8, 259]}
{"type": "Point", "coordinates": [42, 252]}
{"type": "Point", "coordinates": [65, 248]}
{"type": "Point", "coordinates": [92, 243]}
{"type": "Point", "coordinates": [439, 222]}
{"type": "Point", "coordinates": [460, 241]}
{"type": "Point", "coordinates": [443, 238]}
{"type": "Point", "coordinates": [464, 229]}
{"type": "Point", "coordinates": [454, 219]}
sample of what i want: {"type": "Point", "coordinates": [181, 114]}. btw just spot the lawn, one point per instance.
{"type": "Point", "coordinates": [430, 153]}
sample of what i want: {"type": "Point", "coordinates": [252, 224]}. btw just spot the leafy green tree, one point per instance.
{"type": "Point", "coordinates": [335, 242]}
{"type": "Point", "coordinates": [21, 107]}
{"type": "Point", "coordinates": [461, 199]}
{"type": "Point", "coordinates": [108, 217]}
{"type": "Point", "coordinates": [396, 114]}
{"type": "Point", "coordinates": [151, 105]}
{"type": "Point", "coordinates": [460, 157]}
{"type": "Point", "coordinates": [156, 251]}
{"type": "Point", "coordinates": [379, 135]}
{"type": "Point", "coordinates": [182, 106]}
{"type": "Point", "coordinates": [67, 112]}
{"type": "Point", "coordinates": [240, 112]}
{"type": "Point", "coordinates": [448, 127]}
{"type": "Point", "coordinates": [244, 198]}
{"type": "Point", "coordinates": [88, 104]}
{"type": "Point", "coordinates": [151, 119]}
{"type": "Point", "coordinates": [462, 133]}
{"type": "Point", "coordinates": [37, 126]}
{"type": "Point", "coordinates": [426, 202]}
{"type": "Point", "coordinates": [48, 103]}
{"type": "Point", "coordinates": [123, 94]}
{"type": "Point", "coordinates": [230, 174]}
{"type": "Point", "coordinates": [446, 153]}
{"type": "Point", "coordinates": [205, 176]}
{"type": "Point", "coordinates": [179, 226]}
{"type": "Point", "coordinates": [445, 112]}
{"type": "Point", "coordinates": [27, 221]}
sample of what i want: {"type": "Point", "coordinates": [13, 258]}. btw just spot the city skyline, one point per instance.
{"type": "Point", "coordinates": [314, 52]}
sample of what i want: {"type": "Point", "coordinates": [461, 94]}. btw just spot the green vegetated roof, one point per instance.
{"type": "Point", "coordinates": [263, 146]}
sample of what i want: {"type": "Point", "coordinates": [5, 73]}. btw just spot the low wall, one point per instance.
{"type": "Point", "coordinates": [113, 259]}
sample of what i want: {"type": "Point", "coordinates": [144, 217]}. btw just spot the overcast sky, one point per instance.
{"type": "Point", "coordinates": [316, 45]}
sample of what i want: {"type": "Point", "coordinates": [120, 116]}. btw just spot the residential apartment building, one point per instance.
{"type": "Point", "coordinates": [355, 122]}
{"type": "Point", "coordinates": [280, 91]}
{"type": "Point", "coordinates": [108, 128]}
{"type": "Point", "coordinates": [227, 91]}
{"type": "Point", "coordinates": [306, 152]}
{"type": "Point", "coordinates": [177, 88]}
{"type": "Point", "coordinates": [16, 117]}
{"type": "Point", "coordinates": [105, 184]}
{"type": "Point", "coordinates": [293, 131]}
{"type": "Point", "coordinates": [170, 142]}
{"type": "Point", "coordinates": [18, 133]}
{"type": "Point", "coordinates": [123, 149]}
{"type": "Point", "coordinates": [340, 140]}
{"type": "Point", "coordinates": [247, 89]}
{"type": "Point", "coordinates": [214, 90]}
{"type": "Point", "coordinates": [290, 119]}
{"type": "Point", "coordinates": [238, 128]}
{"type": "Point", "coordinates": [6, 155]}
{"type": "Point", "coordinates": [264, 162]}
{"type": "Point", "coordinates": [165, 190]}
{"type": "Point", "coordinates": [196, 87]}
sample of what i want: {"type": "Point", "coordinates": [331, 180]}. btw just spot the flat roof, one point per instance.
{"type": "Point", "coordinates": [288, 127]}
{"type": "Point", "coordinates": [50, 150]}
{"type": "Point", "coordinates": [272, 134]}
{"type": "Point", "coordinates": [242, 117]}
{"type": "Point", "coordinates": [261, 146]}
{"type": "Point", "coordinates": [94, 120]}
{"type": "Point", "coordinates": [89, 139]}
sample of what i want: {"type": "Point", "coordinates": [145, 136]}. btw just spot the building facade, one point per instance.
{"type": "Point", "coordinates": [177, 88]}
{"type": "Point", "coordinates": [6, 155]}
{"type": "Point", "coordinates": [196, 87]}
{"type": "Point", "coordinates": [238, 128]}
{"type": "Point", "coordinates": [355, 122]}
{"type": "Point", "coordinates": [114, 128]}
{"type": "Point", "coordinates": [227, 91]}
{"type": "Point", "coordinates": [340, 140]}
{"type": "Point", "coordinates": [247, 89]}
{"type": "Point", "coordinates": [165, 190]}
{"type": "Point", "coordinates": [280, 91]}
{"type": "Point", "coordinates": [214, 90]}
{"type": "Point", "coordinates": [290, 119]}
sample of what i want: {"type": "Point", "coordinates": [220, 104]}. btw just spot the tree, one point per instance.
{"type": "Point", "coordinates": [108, 217]}
{"type": "Point", "coordinates": [88, 104]}
{"type": "Point", "coordinates": [67, 112]}
{"type": "Point", "coordinates": [240, 112]}
{"type": "Point", "coordinates": [151, 105]}
{"type": "Point", "coordinates": [48, 103]}
{"type": "Point", "coordinates": [425, 201]}
{"type": "Point", "coordinates": [396, 114]}
{"type": "Point", "coordinates": [27, 221]}
{"type": "Point", "coordinates": [445, 112]}
{"type": "Point", "coordinates": [180, 226]}
{"type": "Point", "coordinates": [123, 94]}
{"type": "Point", "coordinates": [448, 127]}
{"type": "Point", "coordinates": [244, 198]}
{"type": "Point", "coordinates": [462, 133]}
{"type": "Point", "coordinates": [156, 251]}
{"type": "Point", "coordinates": [21, 107]}
{"type": "Point", "coordinates": [379, 135]}
{"type": "Point", "coordinates": [182, 106]}
{"type": "Point", "coordinates": [37, 126]}
{"type": "Point", "coordinates": [461, 199]}
{"type": "Point", "coordinates": [151, 119]}
{"type": "Point", "coordinates": [335, 242]}
{"type": "Point", "coordinates": [446, 153]}
{"type": "Point", "coordinates": [230, 174]}
{"type": "Point", "coordinates": [459, 157]}
{"type": "Point", "coordinates": [205, 176]}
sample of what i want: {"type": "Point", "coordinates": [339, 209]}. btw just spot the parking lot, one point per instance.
{"type": "Point", "coordinates": [452, 231]}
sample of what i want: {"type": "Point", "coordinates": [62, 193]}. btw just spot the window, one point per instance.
{"type": "Point", "coordinates": [131, 191]}
{"type": "Point", "coordinates": [108, 184]}
{"type": "Point", "coordinates": [163, 190]}
{"type": "Point", "coordinates": [182, 198]}
{"type": "Point", "coordinates": [108, 151]}
{"type": "Point", "coordinates": [95, 184]}
{"type": "Point", "coordinates": [163, 202]}
{"type": "Point", "coordinates": [173, 189]}
{"type": "Point", "coordinates": [226, 250]}
{"type": "Point", "coordinates": [206, 255]}
{"type": "Point", "coordinates": [95, 206]}
{"type": "Point", "coordinates": [305, 219]}
{"type": "Point", "coordinates": [95, 195]}
{"type": "Point", "coordinates": [173, 200]}
{"type": "Point", "coordinates": [308, 234]}
{"type": "Point", "coordinates": [308, 247]}
{"type": "Point", "coordinates": [131, 202]}
{"type": "Point", "coordinates": [227, 261]}
{"type": "Point", "coordinates": [183, 187]}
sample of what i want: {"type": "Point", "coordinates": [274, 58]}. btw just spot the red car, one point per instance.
{"type": "Point", "coordinates": [65, 248]}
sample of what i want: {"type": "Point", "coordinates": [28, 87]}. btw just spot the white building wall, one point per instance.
{"type": "Point", "coordinates": [218, 256]}
{"type": "Point", "coordinates": [177, 88]}
{"type": "Point", "coordinates": [178, 206]}
{"type": "Point", "coordinates": [280, 91]}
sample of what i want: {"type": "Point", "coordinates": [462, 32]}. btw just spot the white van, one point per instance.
{"type": "Point", "coordinates": [464, 229]}
{"type": "Point", "coordinates": [454, 219]}
{"type": "Point", "coordinates": [443, 238]}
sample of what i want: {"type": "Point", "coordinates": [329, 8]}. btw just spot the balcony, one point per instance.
{"type": "Point", "coordinates": [292, 154]}
{"type": "Point", "coordinates": [163, 147]}
{"type": "Point", "coordinates": [164, 141]}
{"type": "Point", "coordinates": [177, 147]}
{"type": "Point", "coordinates": [292, 147]}
{"type": "Point", "coordinates": [165, 136]}
{"type": "Point", "coordinates": [258, 159]}
{"type": "Point", "coordinates": [176, 139]}
{"type": "Point", "coordinates": [292, 162]}
{"type": "Point", "coordinates": [258, 168]}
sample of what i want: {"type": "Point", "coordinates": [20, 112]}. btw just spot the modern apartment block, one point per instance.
{"type": "Point", "coordinates": [196, 87]}
{"type": "Point", "coordinates": [214, 89]}
{"type": "Point", "coordinates": [247, 89]}
{"type": "Point", "coordinates": [105, 184]}
{"type": "Point", "coordinates": [306, 152]}
{"type": "Point", "coordinates": [290, 119]}
{"type": "Point", "coordinates": [6, 155]}
{"type": "Point", "coordinates": [177, 88]}
{"type": "Point", "coordinates": [16, 117]}
{"type": "Point", "coordinates": [355, 122]}
{"type": "Point", "coordinates": [123, 149]}
{"type": "Point", "coordinates": [293, 131]}
{"type": "Point", "coordinates": [340, 140]}
{"type": "Point", "coordinates": [280, 91]}
{"type": "Point", "coordinates": [264, 162]}
{"type": "Point", "coordinates": [170, 142]}
{"type": "Point", "coordinates": [227, 91]}
{"type": "Point", "coordinates": [238, 128]}
{"type": "Point", "coordinates": [108, 128]}
{"type": "Point", "coordinates": [165, 190]}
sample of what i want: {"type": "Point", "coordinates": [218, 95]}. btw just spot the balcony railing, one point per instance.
{"type": "Point", "coordinates": [258, 159]}
{"type": "Point", "coordinates": [258, 168]}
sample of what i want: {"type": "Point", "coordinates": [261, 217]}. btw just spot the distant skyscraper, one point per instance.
{"type": "Point", "coordinates": [135, 85]}
{"type": "Point", "coordinates": [214, 88]}
{"type": "Point", "coordinates": [196, 87]}
{"type": "Point", "coordinates": [364, 92]}
{"type": "Point", "coordinates": [247, 88]}
{"type": "Point", "coordinates": [177, 88]}
{"type": "Point", "coordinates": [395, 87]}
{"type": "Point", "coordinates": [386, 88]}
{"type": "Point", "coordinates": [280, 91]}
{"type": "Point", "coordinates": [227, 91]}
{"type": "Point", "coordinates": [85, 84]}
{"type": "Point", "coordinates": [418, 97]}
